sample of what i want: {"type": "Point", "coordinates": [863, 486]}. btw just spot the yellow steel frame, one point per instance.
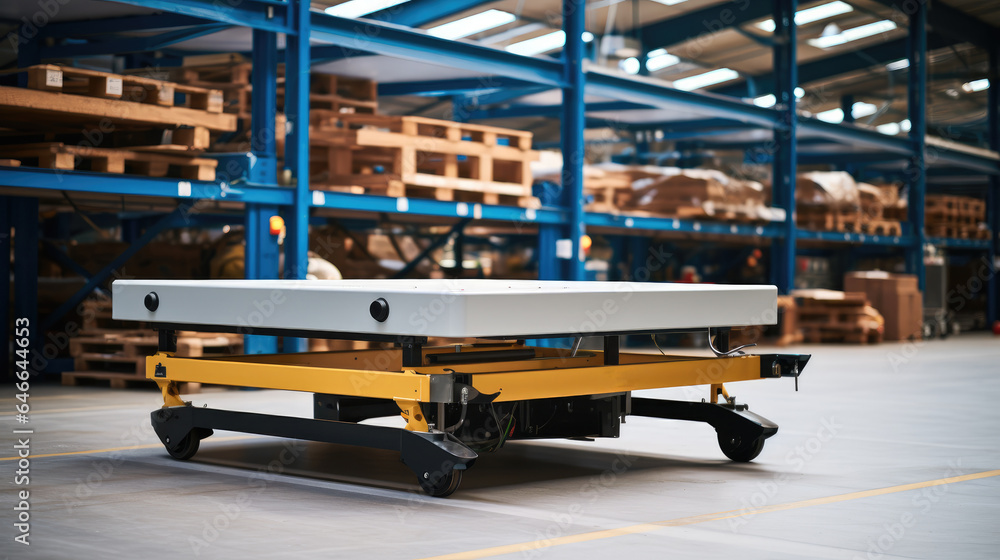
{"type": "Point", "coordinates": [379, 374]}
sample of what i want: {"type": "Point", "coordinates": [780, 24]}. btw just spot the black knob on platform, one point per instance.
{"type": "Point", "coordinates": [379, 310]}
{"type": "Point", "coordinates": [151, 301]}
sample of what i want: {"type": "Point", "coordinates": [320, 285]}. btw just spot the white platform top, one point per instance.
{"type": "Point", "coordinates": [447, 308]}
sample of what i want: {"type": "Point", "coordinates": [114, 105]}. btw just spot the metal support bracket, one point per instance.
{"type": "Point", "coordinates": [427, 454]}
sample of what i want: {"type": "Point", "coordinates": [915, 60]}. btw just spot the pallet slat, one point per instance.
{"type": "Point", "coordinates": [31, 107]}
{"type": "Point", "coordinates": [57, 155]}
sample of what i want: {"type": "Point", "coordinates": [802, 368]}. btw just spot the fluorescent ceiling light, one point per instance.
{"type": "Point", "coordinates": [904, 125]}
{"type": "Point", "coordinates": [831, 116]}
{"type": "Point", "coordinates": [669, 2]}
{"type": "Point", "coordinates": [510, 34]}
{"type": "Point", "coordinates": [977, 85]}
{"type": "Point", "coordinates": [862, 109]}
{"type": "Point", "coordinates": [891, 129]}
{"type": "Point", "coordinates": [359, 8]}
{"type": "Point", "coordinates": [799, 93]}
{"type": "Point", "coordinates": [809, 15]}
{"type": "Point", "coordinates": [660, 59]}
{"type": "Point", "coordinates": [707, 79]}
{"type": "Point", "coordinates": [587, 36]}
{"type": "Point", "coordinates": [630, 65]}
{"type": "Point", "coordinates": [853, 34]}
{"type": "Point", "coordinates": [540, 44]}
{"type": "Point", "coordinates": [473, 24]}
{"type": "Point", "coordinates": [898, 65]}
{"type": "Point", "coordinates": [765, 100]}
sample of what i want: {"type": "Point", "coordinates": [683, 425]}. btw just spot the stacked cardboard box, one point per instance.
{"type": "Point", "coordinates": [896, 296]}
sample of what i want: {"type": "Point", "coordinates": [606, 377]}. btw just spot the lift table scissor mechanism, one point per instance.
{"type": "Point", "coordinates": [457, 400]}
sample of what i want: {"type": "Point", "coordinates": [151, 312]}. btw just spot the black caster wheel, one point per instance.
{"type": "Point", "coordinates": [442, 485]}
{"type": "Point", "coordinates": [185, 449]}
{"type": "Point", "coordinates": [738, 450]}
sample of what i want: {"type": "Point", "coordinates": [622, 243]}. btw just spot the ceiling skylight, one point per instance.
{"type": "Point", "coordinates": [473, 24]}
{"type": "Point", "coordinates": [359, 8]}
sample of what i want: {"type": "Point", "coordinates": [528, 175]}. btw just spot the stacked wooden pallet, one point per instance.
{"type": "Point", "coordinates": [110, 351]}
{"type": "Point", "coordinates": [340, 94]}
{"type": "Point", "coordinates": [958, 217]}
{"type": "Point", "coordinates": [98, 121]}
{"type": "Point", "coordinates": [419, 157]}
{"type": "Point", "coordinates": [829, 316]}
{"type": "Point", "coordinates": [833, 201]}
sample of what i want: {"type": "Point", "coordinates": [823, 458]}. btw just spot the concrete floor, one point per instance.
{"type": "Point", "coordinates": [865, 418]}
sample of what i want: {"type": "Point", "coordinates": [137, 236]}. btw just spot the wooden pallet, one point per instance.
{"type": "Point", "coordinates": [822, 219]}
{"type": "Point", "coordinates": [957, 231]}
{"type": "Point", "coordinates": [882, 227]}
{"type": "Point", "coordinates": [112, 343]}
{"type": "Point", "coordinates": [848, 319]}
{"type": "Point", "coordinates": [339, 94]}
{"type": "Point", "coordinates": [10, 163]}
{"type": "Point", "coordinates": [944, 207]}
{"type": "Point", "coordinates": [56, 155]}
{"type": "Point", "coordinates": [426, 158]}
{"type": "Point", "coordinates": [138, 89]}
{"type": "Point", "coordinates": [32, 109]}
{"type": "Point", "coordinates": [120, 381]}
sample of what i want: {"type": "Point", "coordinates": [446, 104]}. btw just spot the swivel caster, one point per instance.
{"type": "Point", "coordinates": [734, 447]}
{"type": "Point", "coordinates": [440, 485]}
{"type": "Point", "coordinates": [185, 448]}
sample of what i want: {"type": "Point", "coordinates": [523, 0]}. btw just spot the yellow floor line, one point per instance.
{"type": "Point", "coordinates": [126, 448]}
{"type": "Point", "coordinates": [655, 526]}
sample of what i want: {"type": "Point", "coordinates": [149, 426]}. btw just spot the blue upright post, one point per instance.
{"type": "Point", "coordinates": [572, 131]}
{"type": "Point", "coordinates": [847, 106]}
{"type": "Point", "coordinates": [261, 247]}
{"type": "Point", "coordinates": [916, 173]}
{"type": "Point", "coordinates": [297, 149]}
{"type": "Point", "coordinates": [261, 263]}
{"type": "Point", "coordinates": [24, 218]}
{"type": "Point", "coordinates": [784, 166]}
{"type": "Point", "coordinates": [993, 192]}
{"type": "Point", "coordinates": [5, 318]}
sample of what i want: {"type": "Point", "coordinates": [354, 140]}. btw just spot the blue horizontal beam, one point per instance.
{"type": "Point", "coordinates": [390, 40]}
{"type": "Point", "coordinates": [855, 136]}
{"type": "Point", "coordinates": [122, 45]}
{"type": "Point", "coordinates": [456, 86]}
{"type": "Point", "coordinates": [416, 13]}
{"type": "Point", "coordinates": [948, 243]}
{"type": "Point", "coordinates": [858, 238]}
{"type": "Point", "coordinates": [118, 25]}
{"type": "Point", "coordinates": [640, 223]}
{"type": "Point", "coordinates": [649, 93]}
{"type": "Point", "coordinates": [438, 208]}
{"type": "Point", "coordinates": [269, 15]}
{"type": "Point", "coordinates": [938, 156]}
{"type": "Point", "coordinates": [106, 183]}
{"type": "Point", "coordinates": [553, 111]}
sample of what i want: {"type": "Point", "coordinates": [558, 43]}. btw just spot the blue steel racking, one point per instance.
{"type": "Point", "coordinates": [315, 36]}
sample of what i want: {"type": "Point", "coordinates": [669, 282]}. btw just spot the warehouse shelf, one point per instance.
{"type": "Point", "coordinates": [589, 97]}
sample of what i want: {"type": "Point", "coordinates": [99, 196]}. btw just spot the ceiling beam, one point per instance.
{"type": "Point", "coordinates": [950, 22]}
{"type": "Point", "coordinates": [700, 24]}
{"type": "Point", "coordinates": [845, 63]}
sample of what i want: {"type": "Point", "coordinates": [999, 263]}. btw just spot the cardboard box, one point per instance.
{"type": "Point", "coordinates": [897, 298]}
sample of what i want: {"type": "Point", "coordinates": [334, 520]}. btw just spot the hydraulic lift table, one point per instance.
{"type": "Point", "coordinates": [458, 400]}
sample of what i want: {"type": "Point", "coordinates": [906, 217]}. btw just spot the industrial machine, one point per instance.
{"type": "Point", "coordinates": [457, 400]}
